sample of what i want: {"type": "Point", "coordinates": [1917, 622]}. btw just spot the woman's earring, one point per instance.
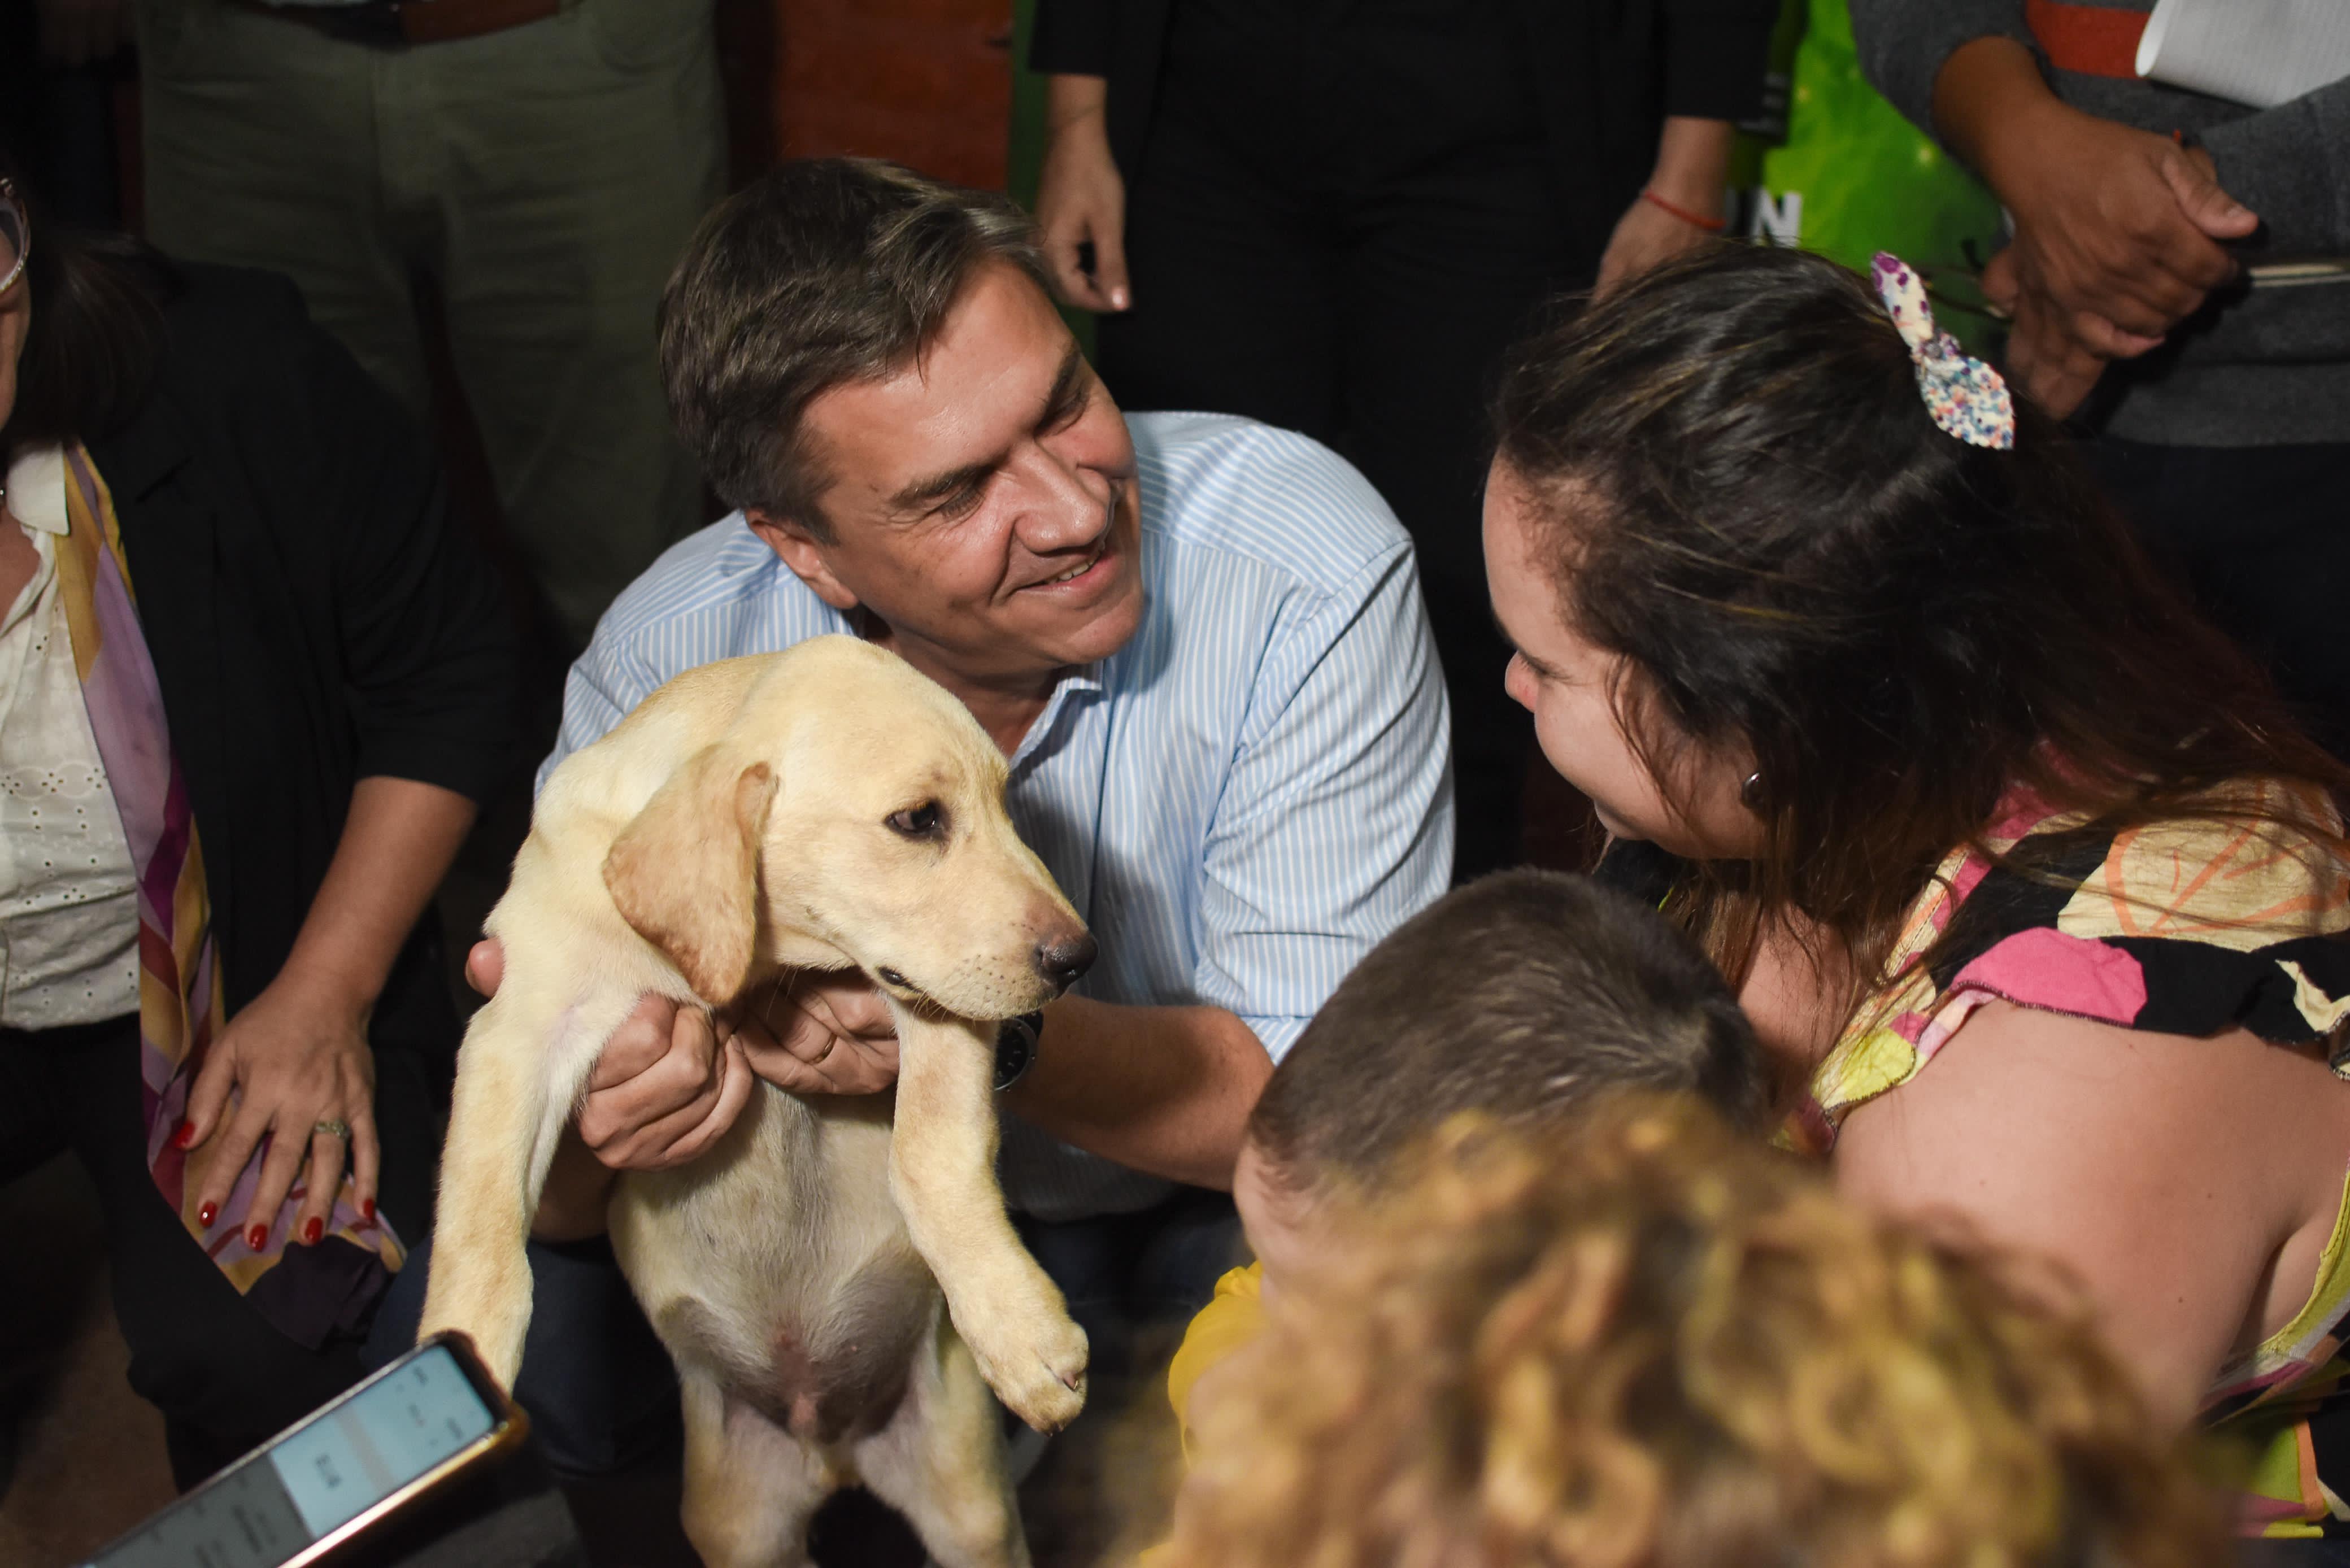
{"type": "Point", "coordinates": [1751, 791]}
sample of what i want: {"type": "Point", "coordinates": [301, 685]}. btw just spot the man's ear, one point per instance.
{"type": "Point", "coordinates": [803, 554]}
{"type": "Point", "coordinates": [685, 873]}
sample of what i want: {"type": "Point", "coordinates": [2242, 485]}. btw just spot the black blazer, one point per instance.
{"type": "Point", "coordinates": [311, 615]}
{"type": "Point", "coordinates": [1610, 72]}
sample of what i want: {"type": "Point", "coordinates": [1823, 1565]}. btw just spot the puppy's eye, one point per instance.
{"type": "Point", "coordinates": [924, 821]}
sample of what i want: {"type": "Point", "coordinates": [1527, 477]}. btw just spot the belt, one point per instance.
{"type": "Point", "coordinates": [388, 23]}
{"type": "Point", "coordinates": [2088, 40]}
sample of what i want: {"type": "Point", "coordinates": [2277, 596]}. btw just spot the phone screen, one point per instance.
{"type": "Point", "coordinates": [271, 1504]}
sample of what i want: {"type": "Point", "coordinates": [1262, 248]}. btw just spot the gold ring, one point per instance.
{"type": "Point", "coordinates": [333, 1127]}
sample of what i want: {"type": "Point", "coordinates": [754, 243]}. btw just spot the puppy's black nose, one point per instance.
{"type": "Point", "coordinates": [1064, 963]}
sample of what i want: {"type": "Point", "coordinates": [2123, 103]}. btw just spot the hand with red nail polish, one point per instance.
{"type": "Point", "coordinates": [206, 1214]}
{"type": "Point", "coordinates": [366, 1211]}
{"type": "Point", "coordinates": [256, 1237]}
{"type": "Point", "coordinates": [287, 1093]}
{"type": "Point", "coordinates": [312, 1229]}
{"type": "Point", "coordinates": [186, 1137]}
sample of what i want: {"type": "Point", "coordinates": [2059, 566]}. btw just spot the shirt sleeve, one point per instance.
{"type": "Point", "coordinates": [1072, 37]}
{"type": "Point", "coordinates": [1336, 823]}
{"type": "Point", "coordinates": [1717, 54]}
{"type": "Point", "coordinates": [603, 687]}
{"type": "Point", "coordinates": [2291, 164]}
{"type": "Point", "coordinates": [1233, 1316]}
{"type": "Point", "coordinates": [1903, 43]}
{"type": "Point", "coordinates": [428, 645]}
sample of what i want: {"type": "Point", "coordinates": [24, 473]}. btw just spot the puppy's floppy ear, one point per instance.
{"type": "Point", "coordinates": [685, 873]}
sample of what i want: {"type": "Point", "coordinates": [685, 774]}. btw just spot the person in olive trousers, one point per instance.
{"type": "Point", "coordinates": [541, 161]}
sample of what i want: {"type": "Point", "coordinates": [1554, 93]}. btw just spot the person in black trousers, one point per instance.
{"type": "Point", "coordinates": [1333, 216]}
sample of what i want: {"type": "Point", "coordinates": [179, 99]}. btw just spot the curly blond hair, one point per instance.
{"type": "Point", "coordinates": [1649, 1342]}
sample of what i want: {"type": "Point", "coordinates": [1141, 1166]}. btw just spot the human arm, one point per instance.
{"type": "Point", "coordinates": [411, 632]}
{"type": "Point", "coordinates": [2117, 225]}
{"type": "Point", "coordinates": [297, 1054]}
{"type": "Point", "coordinates": [2160, 1171]}
{"type": "Point", "coordinates": [2286, 163]}
{"type": "Point", "coordinates": [1073, 36]}
{"type": "Point", "coordinates": [2118, 233]}
{"type": "Point", "coordinates": [1080, 198]}
{"type": "Point", "coordinates": [1333, 824]}
{"type": "Point", "coordinates": [1163, 1090]}
{"type": "Point", "coordinates": [1715, 53]}
{"type": "Point", "coordinates": [1691, 173]}
{"type": "Point", "coordinates": [2116, 230]}
{"type": "Point", "coordinates": [665, 1087]}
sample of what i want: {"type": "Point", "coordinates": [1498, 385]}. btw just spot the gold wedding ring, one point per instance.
{"type": "Point", "coordinates": [333, 1127]}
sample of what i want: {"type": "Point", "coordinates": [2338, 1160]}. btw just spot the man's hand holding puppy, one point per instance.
{"type": "Point", "coordinates": [675, 1078]}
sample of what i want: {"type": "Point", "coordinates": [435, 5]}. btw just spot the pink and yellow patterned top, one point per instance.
{"type": "Point", "coordinates": [2189, 927]}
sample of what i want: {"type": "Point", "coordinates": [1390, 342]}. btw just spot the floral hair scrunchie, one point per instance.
{"type": "Point", "coordinates": [1967, 398]}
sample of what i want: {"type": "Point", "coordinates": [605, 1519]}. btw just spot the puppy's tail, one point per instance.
{"type": "Point", "coordinates": [517, 1085]}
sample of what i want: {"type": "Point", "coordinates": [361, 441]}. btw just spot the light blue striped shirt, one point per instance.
{"type": "Point", "coordinates": [1240, 802]}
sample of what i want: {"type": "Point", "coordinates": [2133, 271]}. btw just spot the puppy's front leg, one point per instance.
{"type": "Point", "coordinates": [942, 1174]}
{"type": "Point", "coordinates": [518, 1075]}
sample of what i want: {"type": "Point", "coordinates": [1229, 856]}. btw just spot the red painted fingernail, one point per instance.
{"type": "Point", "coordinates": [186, 1134]}
{"type": "Point", "coordinates": [366, 1211]}
{"type": "Point", "coordinates": [205, 1215]}
{"type": "Point", "coordinates": [257, 1236]}
{"type": "Point", "coordinates": [313, 1230]}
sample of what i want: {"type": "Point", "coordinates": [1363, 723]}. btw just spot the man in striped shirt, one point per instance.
{"type": "Point", "coordinates": [1198, 641]}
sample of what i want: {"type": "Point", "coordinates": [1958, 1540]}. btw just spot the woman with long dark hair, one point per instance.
{"type": "Point", "coordinates": [2034, 887]}
{"type": "Point", "coordinates": [251, 687]}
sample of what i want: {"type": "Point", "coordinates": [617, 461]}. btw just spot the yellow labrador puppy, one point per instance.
{"type": "Point", "coordinates": [822, 808]}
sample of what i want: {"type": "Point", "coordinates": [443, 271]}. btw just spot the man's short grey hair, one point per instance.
{"type": "Point", "coordinates": [822, 272]}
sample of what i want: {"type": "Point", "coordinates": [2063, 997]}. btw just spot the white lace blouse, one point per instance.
{"type": "Point", "coordinates": [69, 901]}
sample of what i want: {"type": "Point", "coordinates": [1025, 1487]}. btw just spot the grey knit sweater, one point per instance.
{"type": "Point", "coordinates": [2263, 365]}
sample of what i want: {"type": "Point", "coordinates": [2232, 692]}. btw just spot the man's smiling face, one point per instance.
{"type": "Point", "coordinates": [982, 500]}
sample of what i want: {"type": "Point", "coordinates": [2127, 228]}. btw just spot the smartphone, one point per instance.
{"type": "Point", "coordinates": [403, 1431]}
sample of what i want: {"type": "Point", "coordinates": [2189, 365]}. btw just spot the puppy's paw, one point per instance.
{"type": "Point", "coordinates": [496, 1325]}
{"type": "Point", "coordinates": [1041, 1377]}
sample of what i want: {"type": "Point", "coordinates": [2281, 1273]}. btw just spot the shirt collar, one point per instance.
{"type": "Point", "coordinates": [37, 490]}
{"type": "Point", "coordinates": [1082, 683]}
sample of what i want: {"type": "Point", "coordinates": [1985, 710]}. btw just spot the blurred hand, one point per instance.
{"type": "Point", "coordinates": [1079, 200]}
{"type": "Point", "coordinates": [2045, 361]}
{"type": "Point", "coordinates": [1645, 236]}
{"type": "Point", "coordinates": [810, 1033]}
{"type": "Point", "coordinates": [2116, 229]}
{"type": "Point", "coordinates": [295, 1055]}
{"type": "Point", "coordinates": [77, 32]}
{"type": "Point", "coordinates": [669, 1083]}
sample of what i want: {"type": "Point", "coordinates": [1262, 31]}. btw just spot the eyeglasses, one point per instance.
{"type": "Point", "coordinates": [16, 236]}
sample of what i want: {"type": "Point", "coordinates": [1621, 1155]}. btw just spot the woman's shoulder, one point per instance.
{"type": "Point", "coordinates": [2232, 912]}
{"type": "Point", "coordinates": [2144, 925]}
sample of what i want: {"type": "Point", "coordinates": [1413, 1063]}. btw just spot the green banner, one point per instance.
{"type": "Point", "coordinates": [1850, 177]}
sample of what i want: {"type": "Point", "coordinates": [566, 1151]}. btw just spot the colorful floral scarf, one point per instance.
{"type": "Point", "coordinates": [180, 1010]}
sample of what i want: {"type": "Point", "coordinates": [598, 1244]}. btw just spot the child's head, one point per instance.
{"type": "Point", "coordinates": [1657, 1342]}
{"type": "Point", "coordinates": [1777, 616]}
{"type": "Point", "coordinates": [1518, 997]}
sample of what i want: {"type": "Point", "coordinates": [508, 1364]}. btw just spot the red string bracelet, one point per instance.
{"type": "Point", "coordinates": [1711, 225]}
